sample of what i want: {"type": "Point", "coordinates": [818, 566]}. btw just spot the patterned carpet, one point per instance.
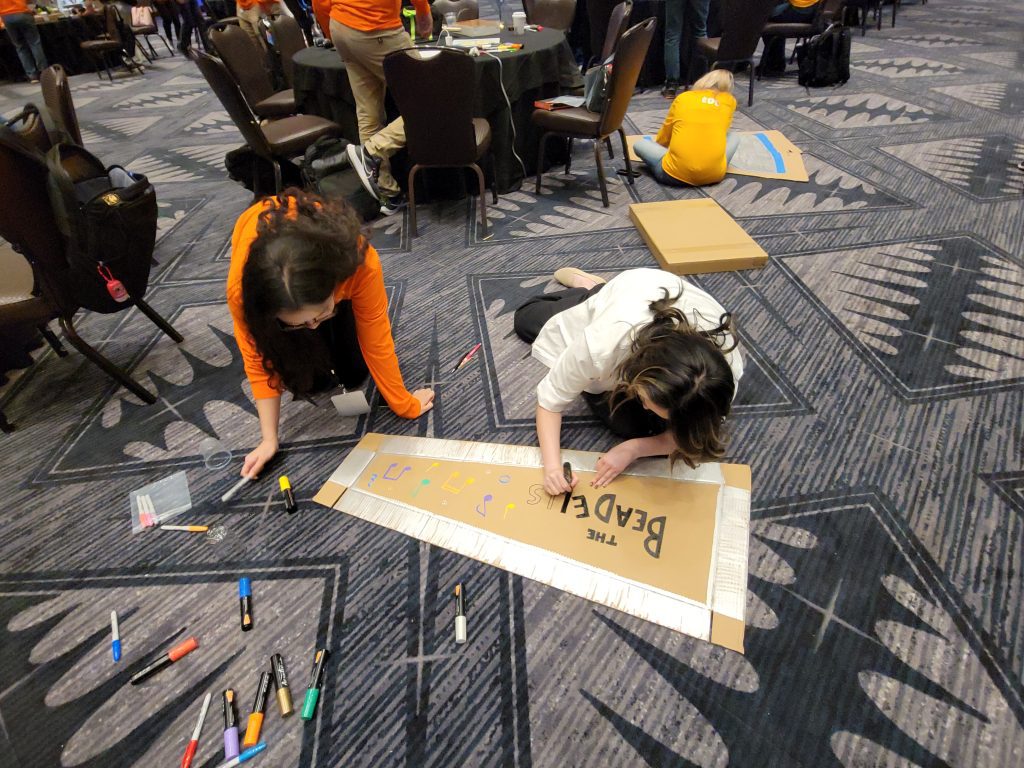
{"type": "Point", "coordinates": [881, 413]}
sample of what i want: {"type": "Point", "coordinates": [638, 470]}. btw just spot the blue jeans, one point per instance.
{"type": "Point", "coordinates": [674, 17]}
{"type": "Point", "coordinates": [22, 29]}
{"type": "Point", "coordinates": [652, 153]}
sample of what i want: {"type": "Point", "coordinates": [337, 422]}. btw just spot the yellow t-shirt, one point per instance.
{"type": "Point", "coordinates": [694, 133]}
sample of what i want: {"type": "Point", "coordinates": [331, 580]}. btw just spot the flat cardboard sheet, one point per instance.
{"type": "Point", "coordinates": [766, 154]}
{"type": "Point", "coordinates": [695, 236]}
{"type": "Point", "coordinates": [654, 546]}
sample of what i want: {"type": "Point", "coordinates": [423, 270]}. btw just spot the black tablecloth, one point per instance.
{"type": "Point", "coordinates": [61, 43]}
{"type": "Point", "coordinates": [542, 69]}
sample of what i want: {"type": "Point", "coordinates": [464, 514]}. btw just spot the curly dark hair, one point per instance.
{"type": "Point", "coordinates": [683, 369]}
{"type": "Point", "coordinates": [305, 245]}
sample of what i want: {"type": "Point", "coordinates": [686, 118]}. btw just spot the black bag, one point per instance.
{"type": "Point", "coordinates": [108, 218]}
{"type": "Point", "coordinates": [825, 58]}
{"type": "Point", "coordinates": [595, 85]}
{"type": "Point", "coordinates": [326, 170]}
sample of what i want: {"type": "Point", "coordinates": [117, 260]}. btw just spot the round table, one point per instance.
{"type": "Point", "coordinates": [61, 39]}
{"type": "Point", "coordinates": [543, 68]}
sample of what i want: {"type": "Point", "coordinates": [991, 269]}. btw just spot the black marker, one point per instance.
{"type": "Point", "coordinates": [567, 472]}
{"type": "Point", "coordinates": [289, 498]}
{"type": "Point", "coordinates": [245, 602]}
{"type": "Point", "coordinates": [284, 693]}
{"type": "Point", "coordinates": [316, 680]}
{"type": "Point", "coordinates": [460, 614]}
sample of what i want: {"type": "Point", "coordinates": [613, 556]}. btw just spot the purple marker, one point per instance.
{"type": "Point", "coordinates": [230, 725]}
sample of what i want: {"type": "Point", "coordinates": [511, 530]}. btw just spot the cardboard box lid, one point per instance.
{"type": "Point", "coordinates": [692, 236]}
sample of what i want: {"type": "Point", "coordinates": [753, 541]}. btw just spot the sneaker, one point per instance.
{"type": "Point", "coordinates": [389, 206]}
{"type": "Point", "coordinates": [670, 89]}
{"type": "Point", "coordinates": [366, 165]}
{"type": "Point", "coordinates": [566, 276]}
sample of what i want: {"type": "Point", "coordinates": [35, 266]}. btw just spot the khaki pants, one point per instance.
{"type": "Point", "coordinates": [248, 20]}
{"type": "Point", "coordinates": [363, 54]}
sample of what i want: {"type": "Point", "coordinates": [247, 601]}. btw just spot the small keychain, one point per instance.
{"type": "Point", "coordinates": [115, 287]}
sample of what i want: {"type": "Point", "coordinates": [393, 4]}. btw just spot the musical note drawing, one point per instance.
{"type": "Point", "coordinates": [451, 488]}
{"type": "Point", "coordinates": [415, 491]}
{"type": "Point", "coordinates": [372, 478]}
{"type": "Point", "coordinates": [387, 472]}
{"type": "Point", "coordinates": [487, 498]}
{"type": "Point", "coordinates": [508, 508]}
{"type": "Point", "coordinates": [434, 464]}
{"type": "Point", "coordinates": [505, 479]}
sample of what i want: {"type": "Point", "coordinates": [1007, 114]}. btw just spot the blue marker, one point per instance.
{"type": "Point", "coordinates": [245, 757]}
{"type": "Point", "coordinates": [115, 643]}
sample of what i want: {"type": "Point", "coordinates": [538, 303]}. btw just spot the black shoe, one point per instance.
{"type": "Point", "coordinates": [366, 165]}
{"type": "Point", "coordinates": [762, 71]}
{"type": "Point", "coordinates": [389, 206]}
{"type": "Point", "coordinates": [670, 89]}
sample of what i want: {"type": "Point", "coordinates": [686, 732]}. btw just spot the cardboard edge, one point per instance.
{"type": "Point", "coordinates": [329, 494]}
{"type": "Point", "coordinates": [372, 441]}
{"type": "Point", "coordinates": [737, 476]}
{"type": "Point", "coordinates": [727, 632]}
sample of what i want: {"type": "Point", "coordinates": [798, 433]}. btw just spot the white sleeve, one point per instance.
{"type": "Point", "coordinates": [572, 372]}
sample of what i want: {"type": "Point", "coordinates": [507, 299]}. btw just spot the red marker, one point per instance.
{"type": "Point", "coordinates": [172, 656]}
{"type": "Point", "coordinates": [190, 750]}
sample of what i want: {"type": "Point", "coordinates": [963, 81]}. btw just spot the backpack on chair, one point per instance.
{"type": "Point", "coordinates": [825, 59]}
{"type": "Point", "coordinates": [108, 217]}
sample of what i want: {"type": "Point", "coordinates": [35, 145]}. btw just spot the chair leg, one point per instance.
{"type": "Point", "coordinates": [750, 93]}
{"type": "Point", "coordinates": [608, 143]}
{"type": "Point", "coordinates": [277, 177]}
{"type": "Point", "coordinates": [166, 43]}
{"type": "Point", "coordinates": [494, 179]}
{"type": "Point", "coordinates": [894, 4]}
{"type": "Point", "coordinates": [600, 174]}
{"type": "Point", "coordinates": [483, 199]}
{"type": "Point", "coordinates": [53, 341]}
{"type": "Point", "coordinates": [117, 374]}
{"type": "Point", "coordinates": [625, 154]}
{"type": "Point", "coordinates": [142, 49]}
{"type": "Point", "coordinates": [540, 161]}
{"type": "Point", "coordinates": [568, 157]}
{"type": "Point", "coordinates": [412, 200]}
{"type": "Point", "coordinates": [152, 50]}
{"type": "Point", "coordinates": [106, 66]}
{"type": "Point", "coordinates": [158, 321]}
{"type": "Point", "coordinates": [5, 425]}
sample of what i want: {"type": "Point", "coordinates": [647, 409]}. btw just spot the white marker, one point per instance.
{"type": "Point", "coordinates": [460, 615]}
{"type": "Point", "coordinates": [234, 489]}
{"type": "Point", "coordinates": [115, 643]}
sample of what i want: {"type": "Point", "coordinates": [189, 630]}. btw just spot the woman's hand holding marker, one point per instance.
{"type": "Point", "coordinates": [559, 480]}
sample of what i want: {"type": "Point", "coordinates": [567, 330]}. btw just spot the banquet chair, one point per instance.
{"type": "Point", "coordinates": [861, 8]}
{"type": "Point", "coordinates": [288, 41]}
{"type": "Point", "coordinates": [433, 89]}
{"type": "Point", "coordinates": [580, 123]}
{"type": "Point", "coordinates": [244, 60]}
{"type": "Point", "coordinates": [824, 13]}
{"type": "Point", "coordinates": [557, 14]}
{"type": "Point", "coordinates": [742, 23]}
{"type": "Point", "coordinates": [145, 30]}
{"type": "Point", "coordinates": [464, 10]}
{"type": "Point", "coordinates": [617, 25]}
{"type": "Point", "coordinates": [275, 140]}
{"type": "Point", "coordinates": [28, 223]}
{"type": "Point", "coordinates": [57, 97]}
{"type": "Point", "coordinates": [109, 44]}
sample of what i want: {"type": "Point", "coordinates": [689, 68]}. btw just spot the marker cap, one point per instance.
{"type": "Point", "coordinates": [284, 702]}
{"type": "Point", "coordinates": [230, 743]}
{"type": "Point", "coordinates": [284, 482]}
{"type": "Point", "coordinates": [115, 647]}
{"type": "Point", "coordinates": [309, 704]}
{"type": "Point", "coordinates": [245, 587]}
{"type": "Point", "coordinates": [183, 649]}
{"type": "Point", "coordinates": [460, 629]}
{"type": "Point", "coordinates": [252, 730]}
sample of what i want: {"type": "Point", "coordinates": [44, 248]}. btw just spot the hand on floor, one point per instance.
{"type": "Point", "coordinates": [610, 465]}
{"type": "Point", "coordinates": [426, 398]}
{"type": "Point", "coordinates": [258, 458]}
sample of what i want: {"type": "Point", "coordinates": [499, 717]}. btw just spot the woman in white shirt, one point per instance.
{"type": "Point", "coordinates": [654, 357]}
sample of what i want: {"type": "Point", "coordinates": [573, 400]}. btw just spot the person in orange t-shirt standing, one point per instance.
{"type": "Point", "coordinates": [250, 12]}
{"type": "Point", "coordinates": [365, 32]}
{"type": "Point", "coordinates": [20, 24]}
{"type": "Point", "coordinates": [306, 293]}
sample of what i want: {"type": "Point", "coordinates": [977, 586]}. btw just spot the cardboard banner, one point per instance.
{"type": "Point", "coordinates": [667, 549]}
{"type": "Point", "coordinates": [766, 154]}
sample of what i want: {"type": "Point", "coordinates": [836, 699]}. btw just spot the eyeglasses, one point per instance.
{"type": "Point", "coordinates": [309, 324]}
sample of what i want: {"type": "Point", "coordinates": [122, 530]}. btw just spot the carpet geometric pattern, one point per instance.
{"type": "Point", "coordinates": [880, 411]}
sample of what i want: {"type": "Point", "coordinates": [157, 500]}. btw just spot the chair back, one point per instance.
{"type": "Point", "coordinates": [57, 96]}
{"type": "Point", "coordinates": [27, 221]}
{"type": "Point", "coordinates": [433, 89]}
{"type": "Point", "coordinates": [244, 60]}
{"type": "Point", "coordinates": [464, 10]}
{"type": "Point", "coordinates": [557, 14]}
{"type": "Point", "coordinates": [112, 23]}
{"type": "Point", "coordinates": [288, 40]}
{"type": "Point", "coordinates": [231, 98]}
{"type": "Point", "coordinates": [629, 60]}
{"type": "Point", "coordinates": [742, 23]}
{"type": "Point", "coordinates": [617, 24]}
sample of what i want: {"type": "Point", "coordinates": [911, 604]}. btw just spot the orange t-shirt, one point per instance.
{"type": "Point", "coordinates": [369, 305]}
{"type": "Point", "coordinates": [8, 7]}
{"type": "Point", "coordinates": [364, 15]}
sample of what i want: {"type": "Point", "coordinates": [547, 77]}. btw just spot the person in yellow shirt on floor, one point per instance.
{"type": "Point", "coordinates": [694, 145]}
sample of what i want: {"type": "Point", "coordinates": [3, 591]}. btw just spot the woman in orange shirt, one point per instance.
{"type": "Point", "coordinates": [306, 293]}
{"type": "Point", "coordinates": [21, 27]}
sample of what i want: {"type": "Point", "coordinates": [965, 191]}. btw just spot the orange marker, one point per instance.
{"type": "Point", "coordinates": [259, 706]}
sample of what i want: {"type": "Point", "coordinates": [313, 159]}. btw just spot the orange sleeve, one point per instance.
{"type": "Point", "coordinates": [373, 329]}
{"type": "Point", "coordinates": [322, 12]}
{"type": "Point", "coordinates": [241, 240]}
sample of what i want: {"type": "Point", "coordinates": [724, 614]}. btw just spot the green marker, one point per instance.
{"type": "Point", "coordinates": [315, 681]}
